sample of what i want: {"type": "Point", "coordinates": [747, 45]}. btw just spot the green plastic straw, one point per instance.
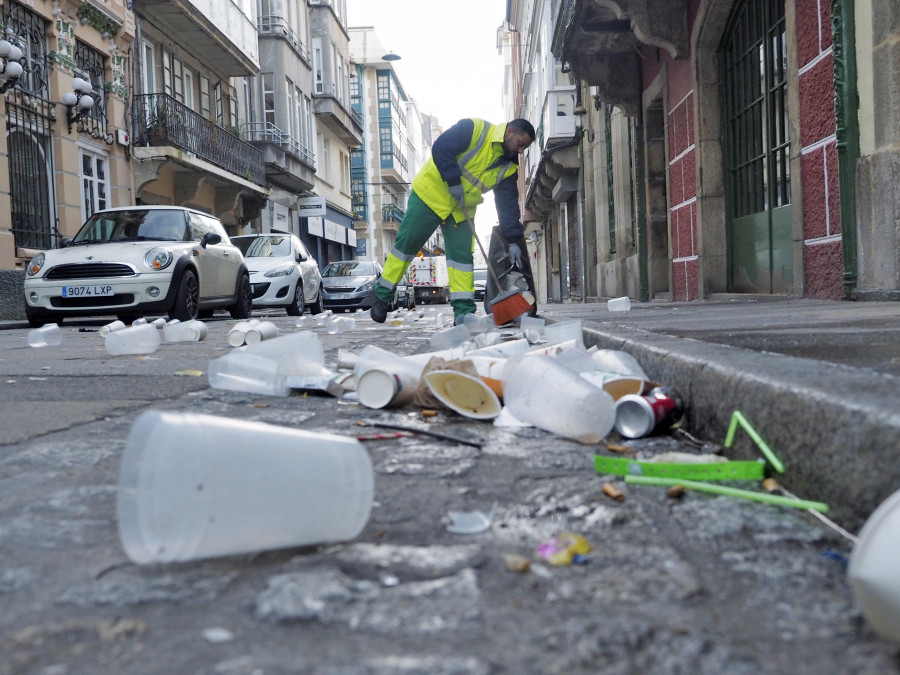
{"type": "Point", "coordinates": [730, 492]}
{"type": "Point", "coordinates": [738, 418]}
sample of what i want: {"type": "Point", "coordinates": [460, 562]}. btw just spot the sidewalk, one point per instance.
{"type": "Point", "coordinates": [819, 380]}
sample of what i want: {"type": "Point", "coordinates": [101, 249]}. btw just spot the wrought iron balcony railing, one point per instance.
{"type": "Point", "coordinates": [269, 133]}
{"type": "Point", "coordinates": [392, 212]}
{"type": "Point", "coordinates": [272, 24]}
{"type": "Point", "coordinates": [159, 120]}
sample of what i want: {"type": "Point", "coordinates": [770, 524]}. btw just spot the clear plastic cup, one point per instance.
{"type": "Point", "coordinates": [542, 392]}
{"type": "Point", "coordinates": [450, 337]}
{"type": "Point", "coordinates": [141, 339]}
{"type": "Point", "coordinates": [295, 353]}
{"type": "Point", "coordinates": [622, 304]}
{"type": "Point", "coordinates": [184, 331]}
{"type": "Point", "coordinates": [110, 327]}
{"type": "Point", "coordinates": [564, 331]}
{"type": "Point", "coordinates": [240, 370]}
{"type": "Point", "coordinates": [197, 486]}
{"type": "Point", "coordinates": [48, 335]}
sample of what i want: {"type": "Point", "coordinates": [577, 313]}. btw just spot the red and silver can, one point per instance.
{"type": "Point", "coordinates": [638, 416]}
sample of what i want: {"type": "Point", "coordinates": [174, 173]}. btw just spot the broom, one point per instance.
{"type": "Point", "coordinates": [507, 305]}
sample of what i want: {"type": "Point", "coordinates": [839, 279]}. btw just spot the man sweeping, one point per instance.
{"type": "Point", "coordinates": [469, 159]}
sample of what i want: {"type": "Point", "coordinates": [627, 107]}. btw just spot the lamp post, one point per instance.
{"type": "Point", "coordinates": [12, 69]}
{"type": "Point", "coordinates": [78, 102]}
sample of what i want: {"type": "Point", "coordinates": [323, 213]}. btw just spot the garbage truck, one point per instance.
{"type": "Point", "coordinates": [429, 279]}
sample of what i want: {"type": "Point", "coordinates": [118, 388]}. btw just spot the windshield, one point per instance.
{"type": "Point", "coordinates": [349, 268]}
{"type": "Point", "coordinates": [263, 247]}
{"type": "Point", "coordinates": [481, 275]}
{"type": "Point", "coordinates": [134, 225]}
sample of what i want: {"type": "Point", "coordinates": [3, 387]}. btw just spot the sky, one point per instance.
{"type": "Point", "coordinates": [449, 62]}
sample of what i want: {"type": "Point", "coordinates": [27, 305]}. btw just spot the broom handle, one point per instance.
{"type": "Point", "coordinates": [487, 260]}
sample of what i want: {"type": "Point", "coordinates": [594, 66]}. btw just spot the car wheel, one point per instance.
{"type": "Point", "coordinates": [127, 318]}
{"type": "Point", "coordinates": [205, 313]}
{"type": "Point", "coordinates": [187, 299]}
{"type": "Point", "coordinates": [243, 307]}
{"type": "Point", "coordinates": [36, 320]}
{"type": "Point", "coordinates": [316, 306]}
{"type": "Point", "coordinates": [297, 307]}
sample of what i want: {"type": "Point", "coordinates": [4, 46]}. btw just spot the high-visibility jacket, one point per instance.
{"type": "Point", "coordinates": [480, 169]}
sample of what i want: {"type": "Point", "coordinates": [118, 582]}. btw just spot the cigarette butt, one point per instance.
{"type": "Point", "coordinates": [770, 485]}
{"type": "Point", "coordinates": [429, 413]}
{"type": "Point", "coordinates": [613, 492]}
{"type": "Point", "coordinates": [675, 492]}
{"type": "Point", "coordinates": [621, 449]}
{"type": "Point", "coordinates": [517, 563]}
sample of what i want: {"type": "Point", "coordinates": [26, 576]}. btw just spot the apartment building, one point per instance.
{"type": "Point", "coordinates": [722, 146]}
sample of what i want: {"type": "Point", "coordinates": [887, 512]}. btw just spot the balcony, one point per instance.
{"type": "Point", "coordinates": [288, 163]}
{"type": "Point", "coordinates": [345, 122]}
{"type": "Point", "coordinates": [219, 32]}
{"type": "Point", "coordinates": [601, 41]}
{"type": "Point", "coordinates": [271, 25]}
{"type": "Point", "coordinates": [161, 121]}
{"type": "Point", "coordinates": [552, 166]}
{"type": "Point", "coordinates": [392, 213]}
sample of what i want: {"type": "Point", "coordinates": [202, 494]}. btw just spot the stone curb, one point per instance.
{"type": "Point", "coordinates": [835, 428]}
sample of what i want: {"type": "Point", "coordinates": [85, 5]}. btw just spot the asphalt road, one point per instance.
{"type": "Point", "coordinates": [695, 584]}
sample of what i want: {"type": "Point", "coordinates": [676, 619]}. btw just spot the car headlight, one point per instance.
{"type": "Point", "coordinates": [366, 287]}
{"type": "Point", "coordinates": [279, 272]}
{"type": "Point", "coordinates": [158, 258]}
{"type": "Point", "coordinates": [37, 262]}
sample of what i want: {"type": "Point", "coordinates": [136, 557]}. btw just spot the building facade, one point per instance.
{"type": "Point", "coordinates": [723, 146]}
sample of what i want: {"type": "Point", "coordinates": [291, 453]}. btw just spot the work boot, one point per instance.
{"type": "Point", "coordinates": [379, 311]}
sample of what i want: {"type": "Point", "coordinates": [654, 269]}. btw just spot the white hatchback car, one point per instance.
{"type": "Point", "coordinates": [140, 260]}
{"type": "Point", "coordinates": [282, 272]}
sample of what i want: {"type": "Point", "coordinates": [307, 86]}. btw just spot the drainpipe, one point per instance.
{"type": "Point", "coordinates": [846, 104]}
{"type": "Point", "coordinates": [580, 113]}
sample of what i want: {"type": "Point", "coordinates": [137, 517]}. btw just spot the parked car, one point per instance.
{"type": "Point", "coordinates": [282, 272]}
{"type": "Point", "coordinates": [350, 284]}
{"type": "Point", "coordinates": [405, 297]}
{"type": "Point", "coordinates": [480, 282]}
{"type": "Point", "coordinates": [140, 260]}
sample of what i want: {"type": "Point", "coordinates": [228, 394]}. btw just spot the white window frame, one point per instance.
{"type": "Point", "coordinates": [205, 98]}
{"type": "Point", "coordinates": [318, 77]}
{"type": "Point", "coordinates": [88, 209]}
{"type": "Point", "coordinates": [188, 88]}
{"type": "Point", "coordinates": [148, 66]}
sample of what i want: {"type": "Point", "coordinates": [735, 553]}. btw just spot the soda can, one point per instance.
{"type": "Point", "coordinates": [638, 416]}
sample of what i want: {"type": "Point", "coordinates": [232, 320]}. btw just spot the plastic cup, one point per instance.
{"type": "Point", "coordinates": [243, 371]}
{"type": "Point", "coordinates": [159, 322]}
{"type": "Point", "coordinates": [48, 335]}
{"type": "Point", "coordinates": [450, 337]}
{"type": "Point", "coordinates": [544, 393]}
{"type": "Point", "coordinates": [110, 327]}
{"type": "Point", "coordinates": [469, 396]}
{"type": "Point", "coordinates": [238, 331]}
{"type": "Point", "coordinates": [139, 322]}
{"type": "Point", "coordinates": [198, 486]}
{"type": "Point", "coordinates": [140, 339]}
{"type": "Point", "coordinates": [187, 331]}
{"type": "Point", "coordinates": [617, 361]}
{"type": "Point", "coordinates": [378, 388]}
{"type": "Point", "coordinates": [264, 330]}
{"type": "Point", "coordinates": [564, 331]}
{"type": "Point", "coordinates": [295, 353]}
{"type": "Point", "coordinates": [873, 569]}
{"type": "Point", "coordinates": [622, 304]}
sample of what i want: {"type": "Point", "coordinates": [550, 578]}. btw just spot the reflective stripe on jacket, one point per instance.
{"type": "Point", "coordinates": [479, 175]}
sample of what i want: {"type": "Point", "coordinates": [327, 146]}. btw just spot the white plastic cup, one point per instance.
{"type": "Point", "coordinates": [139, 322]}
{"type": "Point", "coordinates": [378, 388]}
{"type": "Point", "coordinates": [250, 373]}
{"type": "Point", "coordinates": [542, 392]}
{"type": "Point", "coordinates": [186, 331]}
{"type": "Point", "coordinates": [467, 395]}
{"type": "Point", "coordinates": [110, 327]}
{"type": "Point", "coordinates": [48, 335]}
{"type": "Point", "coordinates": [450, 337]}
{"type": "Point", "coordinates": [197, 486]}
{"type": "Point", "coordinates": [238, 332]}
{"type": "Point", "coordinates": [264, 330]}
{"type": "Point", "coordinates": [306, 322]}
{"type": "Point", "coordinates": [140, 339]}
{"type": "Point", "coordinates": [622, 304]}
{"type": "Point", "coordinates": [159, 322]}
{"type": "Point", "coordinates": [873, 569]}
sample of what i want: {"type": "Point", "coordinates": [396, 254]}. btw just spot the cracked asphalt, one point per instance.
{"type": "Point", "coordinates": [696, 584]}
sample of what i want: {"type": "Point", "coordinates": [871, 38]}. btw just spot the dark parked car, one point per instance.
{"type": "Point", "coordinates": [349, 284]}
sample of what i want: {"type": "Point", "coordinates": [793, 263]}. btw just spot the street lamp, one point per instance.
{"type": "Point", "coordinates": [12, 69]}
{"type": "Point", "coordinates": [390, 56]}
{"type": "Point", "coordinates": [78, 102]}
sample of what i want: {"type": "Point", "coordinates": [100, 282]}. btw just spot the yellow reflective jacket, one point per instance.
{"type": "Point", "coordinates": [479, 175]}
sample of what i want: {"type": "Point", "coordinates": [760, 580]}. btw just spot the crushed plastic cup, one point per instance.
{"type": "Point", "coordinates": [469, 396]}
{"type": "Point", "coordinates": [544, 393]}
{"type": "Point", "coordinates": [338, 325]}
{"type": "Point", "coordinates": [378, 388]}
{"type": "Point", "coordinates": [564, 331]}
{"type": "Point", "coordinates": [110, 327]}
{"type": "Point", "coordinates": [622, 304]}
{"type": "Point", "coordinates": [873, 569]}
{"type": "Point", "coordinates": [238, 332]}
{"type": "Point", "coordinates": [141, 339]}
{"type": "Point", "coordinates": [450, 337]}
{"type": "Point", "coordinates": [479, 324]}
{"type": "Point", "coordinates": [185, 331]}
{"type": "Point", "coordinates": [264, 330]}
{"type": "Point", "coordinates": [197, 486]}
{"type": "Point", "coordinates": [48, 335]}
{"type": "Point", "coordinates": [617, 361]}
{"type": "Point", "coordinates": [243, 371]}
{"type": "Point", "coordinates": [295, 353]}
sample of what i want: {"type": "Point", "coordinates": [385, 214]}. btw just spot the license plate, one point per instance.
{"type": "Point", "coordinates": [86, 291]}
{"type": "Point", "coordinates": [340, 296]}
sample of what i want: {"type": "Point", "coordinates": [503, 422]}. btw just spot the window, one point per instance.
{"type": "Point", "coordinates": [178, 80]}
{"type": "Point", "coordinates": [205, 102]}
{"type": "Point", "coordinates": [268, 80]}
{"type": "Point", "coordinates": [189, 89]}
{"type": "Point", "coordinates": [345, 172]}
{"type": "Point", "coordinates": [384, 93]}
{"type": "Point", "coordinates": [220, 104]}
{"type": "Point", "coordinates": [317, 65]}
{"type": "Point", "coordinates": [386, 146]}
{"type": "Point", "coordinates": [94, 189]}
{"type": "Point", "coordinates": [148, 69]}
{"type": "Point", "coordinates": [167, 71]}
{"type": "Point", "coordinates": [91, 66]}
{"type": "Point", "coordinates": [293, 120]}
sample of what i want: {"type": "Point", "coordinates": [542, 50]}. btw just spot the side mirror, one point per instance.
{"type": "Point", "coordinates": [210, 238]}
{"type": "Point", "coordinates": [66, 241]}
{"type": "Point", "coordinates": [301, 257]}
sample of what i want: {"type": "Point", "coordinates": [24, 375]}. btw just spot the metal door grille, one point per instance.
{"type": "Point", "coordinates": [754, 59]}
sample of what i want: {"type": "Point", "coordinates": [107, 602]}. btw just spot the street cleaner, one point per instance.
{"type": "Point", "coordinates": [470, 158]}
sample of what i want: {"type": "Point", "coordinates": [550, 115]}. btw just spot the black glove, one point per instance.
{"type": "Point", "coordinates": [458, 193]}
{"type": "Point", "coordinates": [515, 256]}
